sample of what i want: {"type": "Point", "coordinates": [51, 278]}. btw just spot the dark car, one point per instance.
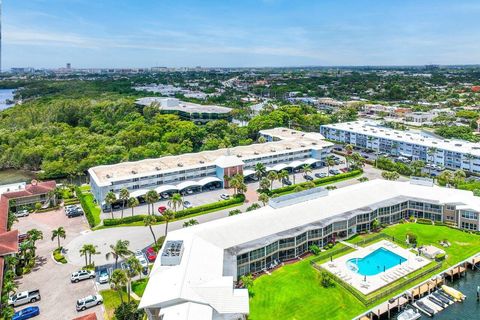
{"type": "Point", "coordinates": [23, 237]}
{"type": "Point", "coordinates": [307, 177]}
{"type": "Point", "coordinates": [75, 213]}
{"type": "Point", "coordinates": [151, 254]}
{"type": "Point", "coordinates": [286, 182]}
{"type": "Point", "coordinates": [320, 175]}
{"type": "Point", "coordinates": [26, 313]}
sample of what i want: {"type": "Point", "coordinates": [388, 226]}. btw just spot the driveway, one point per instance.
{"type": "Point", "coordinates": [58, 294]}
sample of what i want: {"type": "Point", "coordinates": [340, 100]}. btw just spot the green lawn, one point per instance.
{"type": "Point", "coordinates": [111, 300]}
{"type": "Point", "coordinates": [294, 291]}
{"type": "Point", "coordinates": [139, 286]}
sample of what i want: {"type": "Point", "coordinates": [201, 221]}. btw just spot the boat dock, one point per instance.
{"type": "Point", "coordinates": [422, 293]}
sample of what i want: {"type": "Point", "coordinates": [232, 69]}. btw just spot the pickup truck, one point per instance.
{"type": "Point", "coordinates": [24, 297]}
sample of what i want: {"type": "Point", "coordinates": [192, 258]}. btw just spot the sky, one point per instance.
{"type": "Point", "coordinates": [241, 33]}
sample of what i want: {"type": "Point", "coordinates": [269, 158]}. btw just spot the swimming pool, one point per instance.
{"type": "Point", "coordinates": [375, 262]}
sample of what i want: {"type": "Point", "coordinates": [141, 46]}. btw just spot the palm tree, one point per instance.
{"type": "Point", "coordinates": [132, 203]}
{"type": "Point", "coordinates": [260, 170]}
{"type": "Point", "coordinates": [35, 235]}
{"type": "Point", "coordinates": [110, 199]}
{"type": "Point", "coordinates": [264, 184]}
{"type": "Point", "coordinates": [263, 197]}
{"type": "Point", "coordinates": [348, 152]}
{"type": "Point", "coordinates": [469, 157]}
{"type": "Point", "coordinates": [84, 253]}
{"type": "Point", "coordinates": [282, 176]}
{"type": "Point", "coordinates": [272, 176]}
{"type": "Point", "coordinates": [417, 166]}
{"type": "Point", "coordinates": [149, 221]}
{"type": "Point", "coordinates": [119, 250]}
{"type": "Point", "coordinates": [306, 169]}
{"type": "Point", "coordinates": [330, 163]}
{"type": "Point", "coordinates": [134, 269]}
{"type": "Point", "coordinates": [118, 280]}
{"type": "Point", "coordinates": [151, 197]}
{"type": "Point", "coordinates": [390, 175]}
{"type": "Point", "coordinates": [58, 233]}
{"type": "Point", "coordinates": [168, 215]}
{"type": "Point", "coordinates": [91, 250]}
{"type": "Point", "coordinates": [175, 202]}
{"type": "Point", "coordinates": [431, 152]}
{"type": "Point", "coordinates": [124, 195]}
{"type": "Point", "coordinates": [459, 177]}
{"type": "Point", "coordinates": [358, 160]}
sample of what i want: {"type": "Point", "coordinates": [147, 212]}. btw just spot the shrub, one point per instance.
{"type": "Point", "coordinates": [254, 206]}
{"type": "Point", "coordinates": [234, 212]}
{"type": "Point", "coordinates": [325, 280]}
{"type": "Point", "coordinates": [314, 249]}
{"type": "Point", "coordinates": [330, 245]}
{"type": "Point", "coordinates": [440, 257]}
{"type": "Point", "coordinates": [58, 256]}
{"type": "Point", "coordinates": [412, 238]}
{"type": "Point", "coordinates": [424, 221]}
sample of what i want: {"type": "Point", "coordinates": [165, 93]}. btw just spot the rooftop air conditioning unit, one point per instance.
{"type": "Point", "coordinates": [201, 161]}
{"type": "Point", "coordinates": [180, 164]}
{"type": "Point", "coordinates": [134, 171]}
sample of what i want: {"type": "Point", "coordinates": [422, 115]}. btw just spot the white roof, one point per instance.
{"type": "Point", "coordinates": [205, 273]}
{"type": "Point", "coordinates": [248, 172]}
{"type": "Point", "coordinates": [188, 184]}
{"type": "Point", "coordinates": [374, 129]}
{"type": "Point", "coordinates": [207, 180]}
{"type": "Point", "coordinates": [165, 188]}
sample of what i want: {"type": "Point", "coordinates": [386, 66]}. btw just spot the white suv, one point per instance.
{"type": "Point", "coordinates": [88, 302]}
{"type": "Point", "coordinates": [21, 213]}
{"type": "Point", "coordinates": [82, 275]}
{"type": "Point", "coordinates": [141, 258]}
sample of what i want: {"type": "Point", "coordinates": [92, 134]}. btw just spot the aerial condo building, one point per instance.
{"type": "Point", "coordinates": [285, 149]}
{"type": "Point", "coordinates": [198, 281]}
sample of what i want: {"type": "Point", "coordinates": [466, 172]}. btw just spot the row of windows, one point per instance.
{"type": "Point", "coordinates": [471, 215]}
{"type": "Point", "coordinates": [469, 226]}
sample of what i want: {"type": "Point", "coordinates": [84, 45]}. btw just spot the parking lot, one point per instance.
{"type": "Point", "coordinates": [58, 294]}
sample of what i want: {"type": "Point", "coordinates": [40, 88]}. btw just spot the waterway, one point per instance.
{"type": "Point", "coordinates": [6, 96]}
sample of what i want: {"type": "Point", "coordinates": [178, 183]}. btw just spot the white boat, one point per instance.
{"type": "Point", "coordinates": [409, 314]}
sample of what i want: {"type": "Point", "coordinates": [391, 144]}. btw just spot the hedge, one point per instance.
{"type": "Point", "coordinates": [424, 221]}
{"type": "Point", "coordinates": [317, 182]}
{"type": "Point", "coordinates": [180, 214]}
{"type": "Point", "coordinates": [70, 201]}
{"type": "Point", "coordinates": [47, 209]}
{"type": "Point", "coordinates": [86, 207]}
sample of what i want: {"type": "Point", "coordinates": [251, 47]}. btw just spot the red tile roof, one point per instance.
{"type": "Point", "coordinates": [35, 188]}
{"type": "Point", "coordinates": [90, 316]}
{"type": "Point", "coordinates": [8, 242]}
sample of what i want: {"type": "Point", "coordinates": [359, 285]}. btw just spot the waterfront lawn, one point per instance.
{"type": "Point", "coordinates": [463, 244]}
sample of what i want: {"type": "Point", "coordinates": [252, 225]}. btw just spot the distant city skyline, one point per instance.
{"type": "Point", "coordinates": [250, 33]}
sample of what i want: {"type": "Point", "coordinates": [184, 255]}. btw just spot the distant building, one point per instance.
{"type": "Point", "coordinates": [69, 66]}
{"type": "Point", "coordinates": [27, 195]}
{"type": "Point", "coordinates": [191, 111]}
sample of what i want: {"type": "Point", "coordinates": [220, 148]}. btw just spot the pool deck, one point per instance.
{"type": "Point", "coordinates": [340, 268]}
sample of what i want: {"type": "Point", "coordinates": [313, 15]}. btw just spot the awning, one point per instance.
{"type": "Point", "coordinates": [311, 161]}
{"type": "Point", "coordinates": [208, 180]}
{"type": "Point", "coordinates": [165, 188]}
{"type": "Point", "coordinates": [281, 166]}
{"type": "Point", "coordinates": [247, 173]}
{"type": "Point", "coordinates": [296, 164]}
{"type": "Point", "coordinates": [138, 193]}
{"type": "Point", "coordinates": [188, 184]}
{"type": "Point", "coordinates": [267, 169]}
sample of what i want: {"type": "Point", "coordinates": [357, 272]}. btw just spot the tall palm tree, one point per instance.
{"type": "Point", "coordinates": [132, 203]}
{"type": "Point", "coordinates": [59, 233]}
{"type": "Point", "coordinates": [168, 215]}
{"type": "Point", "coordinates": [151, 197]}
{"type": "Point", "coordinates": [330, 162]}
{"type": "Point", "coordinates": [89, 250]}
{"type": "Point", "coordinates": [272, 176]}
{"type": "Point", "coordinates": [118, 280]}
{"type": "Point", "coordinates": [124, 195]}
{"type": "Point", "coordinates": [119, 250]}
{"type": "Point", "coordinates": [35, 235]}
{"type": "Point", "coordinates": [263, 198]}
{"type": "Point", "coordinates": [134, 269]}
{"type": "Point", "coordinates": [110, 199]}
{"type": "Point", "coordinates": [260, 170]}
{"type": "Point", "coordinates": [282, 176]}
{"type": "Point", "coordinates": [306, 169]}
{"type": "Point", "coordinates": [175, 202]}
{"type": "Point", "coordinates": [149, 221]}
{"type": "Point", "coordinates": [84, 253]}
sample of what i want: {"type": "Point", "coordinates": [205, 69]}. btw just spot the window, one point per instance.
{"type": "Point", "coordinates": [471, 215]}
{"type": "Point", "coordinates": [469, 226]}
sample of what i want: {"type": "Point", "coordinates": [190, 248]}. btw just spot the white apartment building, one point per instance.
{"type": "Point", "coordinates": [449, 153]}
{"type": "Point", "coordinates": [285, 149]}
{"type": "Point", "coordinates": [194, 277]}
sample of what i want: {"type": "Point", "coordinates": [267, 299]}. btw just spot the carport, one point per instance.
{"type": "Point", "coordinates": [188, 184]}
{"type": "Point", "coordinates": [311, 161]}
{"type": "Point", "coordinates": [138, 193]}
{"type": "Point", "coordinates": [281, 166]}
{"type": "Point", "coordinates": [296, 164]}
{"type": "Point", "coordinates": [248, 173]}
{"type": "Point", "coordinates": [208, 180]}
{"type": "Point", "coordinates": [165, 188]}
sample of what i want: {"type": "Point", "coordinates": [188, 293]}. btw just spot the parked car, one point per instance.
{"type": "Point", "coordinates": [165, 195]}
{"type": "Point", "coordinates": [88, 302]}
{"type": "Point", "coordinates": [308, 177]}
{"type": "Point", "coordinates": [141, 258]}
{"type": "Point", "coordinates": [320, 174]}
{"type": "Point", "coordinates": [26, 313]}
{"type": "Point", "coordinates": [332, 171]}
{"type": "Point", "coordinates": [151, 254]}
{"type": "Point", "coordinates": [24, 297]}
{"type": "Point", "coordinates": [286, 182]}
{"type": "Point", "coordinates": [187, 204]}
{"type": "Point", "coordinates": [224, 196]}
{"type": "Point", "coordinates": [75, 213]}
{"type": "Point", "coordinates": [189, 191]}
{"type": "Point", "coordinates": [103, 276]}
{"type": "Point", "coordinates": [162, 209]}
{"type": "Point", "coordinates": [82, 275]}
{"type": "Point", "coordinates": [23, 237]}
{"type": "Point", "coordinates": [21, 213]}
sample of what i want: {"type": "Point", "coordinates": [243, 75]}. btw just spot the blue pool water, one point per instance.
{"type": "Point", "coordinates": [375, 262]}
